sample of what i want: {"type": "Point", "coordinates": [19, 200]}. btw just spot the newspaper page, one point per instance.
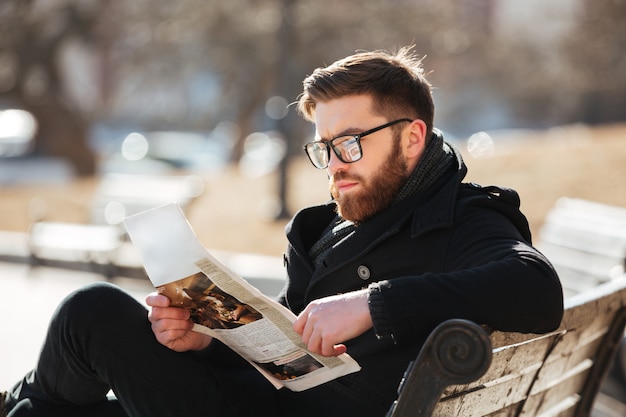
{"type": "Point", "coordinates": [224, 305]}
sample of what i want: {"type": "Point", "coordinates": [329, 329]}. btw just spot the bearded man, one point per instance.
{"type": "Point", "coordinates": [403, 245]}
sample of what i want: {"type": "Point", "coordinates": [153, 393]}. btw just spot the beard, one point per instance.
{"type": "Point", "coordinates": [376, 193]}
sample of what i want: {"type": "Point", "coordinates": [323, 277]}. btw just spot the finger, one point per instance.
{"type": "Point", "coordinates": [329, 346]}
{"type": "Point", "coordinates": [306, 335]}
{"type": "Point", "coordinates": [171, 339]}
{"type": "Point", "coordinates": [339, 349]}
{"type": "Point", "coordinates": [310, 335]}
{"type": "Point", "coordinates": [313, 340]}
{"type": "Point", "coordinates": [169, 325]}
{"type": "Point", "coordinates": [300, 323]}
{"type": "Point", "coordinates": [167, 336]}
{"type": "Point", "coordinates": [175, 313]}
{"type": "Point", "coordinates": [155, 299]}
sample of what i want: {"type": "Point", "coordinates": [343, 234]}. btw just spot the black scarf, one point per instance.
{"type": "Point", "coordinates": [436, 160]}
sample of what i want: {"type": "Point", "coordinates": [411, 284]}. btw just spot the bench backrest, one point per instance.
{"type": "Point", "coordinates": [585, 241]}
{"type": "Point", "coordinates": [528, 375]}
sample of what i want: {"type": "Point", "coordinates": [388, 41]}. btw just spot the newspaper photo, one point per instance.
{"type": "Point", "coordinates": [224, 305]}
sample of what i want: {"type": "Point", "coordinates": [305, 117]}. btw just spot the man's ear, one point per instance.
{"type": "Point", "coordinates": [416, 141]}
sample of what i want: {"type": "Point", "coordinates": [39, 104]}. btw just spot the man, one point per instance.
{"type": "Point", "coordinates": [403, 246]}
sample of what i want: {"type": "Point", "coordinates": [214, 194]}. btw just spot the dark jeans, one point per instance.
{"type": "Point", "coordinates": [100, 339]}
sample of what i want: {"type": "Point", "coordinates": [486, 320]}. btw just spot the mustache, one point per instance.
{"type": "Point", "coordinates": [342, 175]}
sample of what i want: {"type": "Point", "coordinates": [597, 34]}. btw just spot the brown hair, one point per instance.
{"type": "Point", "coordinates": [395, 81]}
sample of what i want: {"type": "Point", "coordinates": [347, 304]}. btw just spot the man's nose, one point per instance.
{"type": "Point", "coordinates": [335, 164]}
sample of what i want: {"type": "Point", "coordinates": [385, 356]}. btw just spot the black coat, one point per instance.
{"type": "Point", "coordinates": [457, 251]}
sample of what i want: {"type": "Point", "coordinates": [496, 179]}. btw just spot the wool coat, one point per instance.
{"type": "Point", "coordinates": [457, 250]}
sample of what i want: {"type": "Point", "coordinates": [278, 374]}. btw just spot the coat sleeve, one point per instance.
{"type": "Point", "coordinates": [492, 277]}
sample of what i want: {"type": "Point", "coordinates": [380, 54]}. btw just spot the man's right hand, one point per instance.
{"type": "Point", "coordinates": [172, 325]}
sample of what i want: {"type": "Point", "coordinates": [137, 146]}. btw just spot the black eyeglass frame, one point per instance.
{"type": "Point", "coordinates": [328, 144]}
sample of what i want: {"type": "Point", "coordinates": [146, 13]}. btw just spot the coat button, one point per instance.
{"type": "Point", "coordinates": [364, 272]}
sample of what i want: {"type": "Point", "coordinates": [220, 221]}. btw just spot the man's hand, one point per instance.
{"type": "Point", "coordinates": [328, 322]}
{"type": "Point", "coordinates": [172, 327]}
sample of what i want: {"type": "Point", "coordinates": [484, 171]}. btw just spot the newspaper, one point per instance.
{"type": "Point", "coordinates": [224, 305]}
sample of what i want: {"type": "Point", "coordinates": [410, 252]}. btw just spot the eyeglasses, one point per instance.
{"type": "Point", "coordinates": [346, 147]}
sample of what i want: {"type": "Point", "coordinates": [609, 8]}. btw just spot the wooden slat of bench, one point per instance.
{"type": "Point", "coordinates": [508, 363]}
{"type": "Point", "coordinates": [557, 374]}
{"type": "Point", "coordinates": [557, 387]}
{"type": "Point", "coordinates": [504, 394]}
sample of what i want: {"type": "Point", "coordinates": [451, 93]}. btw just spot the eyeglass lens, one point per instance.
{"type": "Point", "coordinates": [319, 154]}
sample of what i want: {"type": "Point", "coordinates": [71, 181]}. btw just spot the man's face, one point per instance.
{"type": "Point", "coordinates": [368, 186]}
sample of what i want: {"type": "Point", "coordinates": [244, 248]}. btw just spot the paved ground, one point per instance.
{"type": "Point", "coordinates": [29, 296]}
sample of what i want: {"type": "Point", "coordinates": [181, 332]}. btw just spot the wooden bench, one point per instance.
{"type": "Point", "coordinates": [464, 371]}
{"type": "Point", "coordinates": [96, 244]}
{"type": "Point", "coordinates": [585, 241]}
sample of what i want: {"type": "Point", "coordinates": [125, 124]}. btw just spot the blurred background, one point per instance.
{"type": "Point", "coordinates": [533, 92]}
{"type": "Point", "coordinates": [108, 107]}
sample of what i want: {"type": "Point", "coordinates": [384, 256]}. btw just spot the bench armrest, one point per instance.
{"type": "Point", "coordinates": [456, 352]}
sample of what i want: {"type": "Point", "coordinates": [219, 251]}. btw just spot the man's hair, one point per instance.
{"type": "Point", "coordinates": [395, 81]}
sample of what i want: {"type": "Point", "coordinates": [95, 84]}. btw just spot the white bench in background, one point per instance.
{"type": "Point", "coordinates": [96, 244]}
{"type": "Point", "coordinates": [585, 241]}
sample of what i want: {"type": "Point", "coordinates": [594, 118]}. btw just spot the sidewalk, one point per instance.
{"type": "Point", "coordinates": [30, 294]}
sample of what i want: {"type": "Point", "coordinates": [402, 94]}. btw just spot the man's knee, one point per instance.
{"type": "Point", "coordinates": [98, 302]}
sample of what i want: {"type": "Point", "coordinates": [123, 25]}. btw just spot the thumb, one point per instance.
{"type": "Point", "coordinates": [340, 349]}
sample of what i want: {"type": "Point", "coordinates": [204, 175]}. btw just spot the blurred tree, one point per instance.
{"type": "Point", "coordinates": [594, 55]}
{"type": "Point", "coordinates": [32, 38]}
{"type": "Point", "coordinates": [189, 64]}
{"type": "Point", "coordinates": [249, 51]}
{"type": "Point", "coordinates": [566, 67]}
